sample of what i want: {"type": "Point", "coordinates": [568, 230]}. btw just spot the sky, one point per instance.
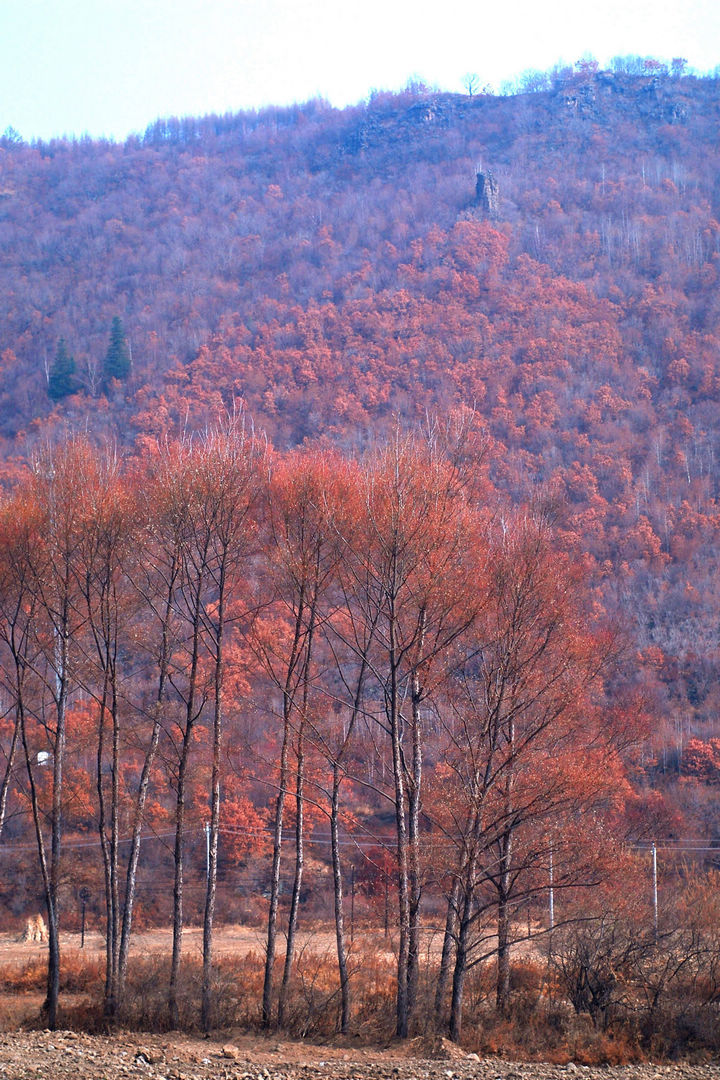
{"type": "Point", "coordinates": [110, 67]}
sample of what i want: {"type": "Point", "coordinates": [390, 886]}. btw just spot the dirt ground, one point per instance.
{"type": "Point", "coordinates": [66, 1055]}
{"type": "Point", "coordinates": [63, 1055]}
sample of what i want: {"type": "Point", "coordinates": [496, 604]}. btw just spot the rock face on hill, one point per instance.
{"type": "Point", "coordinates": [487, 195]}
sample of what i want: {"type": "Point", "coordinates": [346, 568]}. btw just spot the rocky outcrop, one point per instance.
{"type": "Point", "coordinates": [487, 195]}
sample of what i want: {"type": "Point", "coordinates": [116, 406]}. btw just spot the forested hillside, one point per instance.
{"type": "Point", "coordinates": [334, 269]}
{"type": "Point", "coordinates": [344, 275]}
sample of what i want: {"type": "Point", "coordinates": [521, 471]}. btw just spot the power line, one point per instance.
{"type": "Point", "coordinates": [673, 846]}
{"type": "Point", "coordinates": [363, 842]}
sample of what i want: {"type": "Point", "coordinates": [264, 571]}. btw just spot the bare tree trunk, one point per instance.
{"type": "Point", "coordinates": [461, 954]}
{"type": "Point", "coordinates": [402, 1009]}
{"type": "Point", "coordinates": [206, 1006]}
{"type": "Point", "coordinates": [299, 808]}
{"type": "Point", "coordinates": [16, 636]}
{"type": "Point", "coordinates": [414, 873]}
{"type": "Point", "coordinates": [104, 845]}
{"type": "Point", "coordinates": [284, 780]}
{"type": "Point", "coordinates": [297, 881]}
{"type": "Point", "coordinates": [402, 1006]}
{"type": "Point", "coordinates": [106, 646]}
{"type": "Point", "coordinates": [50, 1006]}
{"type": "Point", "coordinates": [338, 901]}
{"type": "Point", "coordinates": [502, 994]}
{"type": "Point", "coordinates": [131, 873]}
{"type": "Point", "coordinates": [275, 876]}
{"type": "Point", "coordinates": [173, 1008]}
{"type": "Point", "coordinates": [7, 777]}
{"type": "Point", "coordinates": [467, 885]}
{"type": "Point", "coordinates": [414, 897]}
{"type": "Point", "coordinates": [114, 845]}
{"type": "Point", "coordinates": [53, 988]}
{"type": "Point", "coordinates": [345, 999]}
{"type": "Point", "coordinates": [112, 998]}
{"type": "Point", "coordinates": [190, 718]}
{"type": "Point", "coordinates": [449, 946]}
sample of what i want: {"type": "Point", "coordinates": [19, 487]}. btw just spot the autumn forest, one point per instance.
{"type": "Point", "coordinates": [359, 560]}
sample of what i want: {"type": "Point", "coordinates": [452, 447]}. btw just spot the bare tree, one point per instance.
{"type": "Point", "coordinates": [406, 574]}
{"type": "Point", "coordinates": [16, 617]}
{"type": "Point", "coordinates": [229, 463]}
{"type": "Point", "coordinates": [303, 553]}
{"type": "Point", "coordinates": [513, 717]}
{"type": "Point", "coordinates": [107, 543]}
{"type": "Point", "coordinates": [471, 82]}
{"type": "Point", "coordinates": [51, 581]}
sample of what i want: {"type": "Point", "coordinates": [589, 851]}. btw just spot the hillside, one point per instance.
{"type": "Point", "coordinates": [451, 569]}
{"type": "Point", "coordinates": [333, 269]}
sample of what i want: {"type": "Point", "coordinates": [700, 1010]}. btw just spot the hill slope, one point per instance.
{"type": "Point", "coordinates": [334, 269]}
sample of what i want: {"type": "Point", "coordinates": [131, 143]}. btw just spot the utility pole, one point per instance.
{"type": "Point", "coordinates": [84, 897]}
{"type": "Point", "coordinates": [387, 907]}
{"type": "Point", "coordinates": [552, 894]}
{"type": "Point", "coordinates": [655, 891]}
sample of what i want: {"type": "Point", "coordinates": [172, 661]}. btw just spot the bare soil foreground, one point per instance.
{"type": "Point", "coordinates": [64, 1054]}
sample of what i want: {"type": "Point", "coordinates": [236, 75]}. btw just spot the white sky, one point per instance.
{"type": "Point", "coordinates": [110, 67]}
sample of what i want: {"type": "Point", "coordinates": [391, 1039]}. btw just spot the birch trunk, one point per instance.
{"type": "Point", "coordinates": [206, 1006]}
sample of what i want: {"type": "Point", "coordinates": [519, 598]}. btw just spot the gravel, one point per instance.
{"type": "Point", "coordinates": [61, 1055]}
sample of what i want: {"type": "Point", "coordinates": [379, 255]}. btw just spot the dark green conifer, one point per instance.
{"type": "Point", "coordinates": [117, 358]}
{"type": "Point", "coordinates": [61, 377]}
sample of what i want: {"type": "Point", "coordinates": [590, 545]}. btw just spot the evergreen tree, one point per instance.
{"type": "Point", "coordinates": [61, 377]}
{"type": "Point", "coordinates": [117, 358]}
